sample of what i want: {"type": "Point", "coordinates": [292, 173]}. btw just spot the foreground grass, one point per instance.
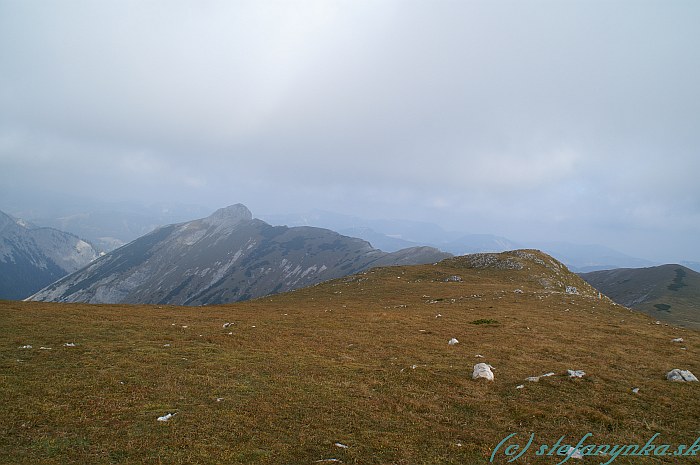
{"type": "Point", "coordinates": [363, 362]}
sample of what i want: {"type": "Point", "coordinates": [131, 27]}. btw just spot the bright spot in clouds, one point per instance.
{"type": "Point", "coordinates": [533, 120]}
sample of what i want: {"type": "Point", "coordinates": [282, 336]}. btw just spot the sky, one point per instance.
{"type": "Point", "coordinates": [560, 120]}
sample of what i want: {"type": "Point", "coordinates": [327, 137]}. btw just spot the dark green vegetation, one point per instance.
{"type": "Point", "coordinates": [669, 293]}
{"type": "Point", "coordinates": [484, 321]}
{"type": "Point", "coordinates": [363, 361]}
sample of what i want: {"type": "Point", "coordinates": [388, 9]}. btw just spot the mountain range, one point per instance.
{"type": "Point", "coordinates": [226, 257]}
{"type": "Point", "coordinates": [32, 257]}
{"type": "Point", "coordinates": [112, 225]}
{"type": "Point", "coordinates": [393, 234]}
{"type": "Point", "coordinates": [668, 293]}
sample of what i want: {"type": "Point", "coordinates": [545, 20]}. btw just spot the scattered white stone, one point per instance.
{"type": "Point", "coordinates": [226, 325]}
{"type": "Point", "coordinates": [519, 386]}
{"type": "Point", "coordinates": [26, 347]}
{"type": "Point", "coordinates": [571, 290]}
{"type": "Point", "coordinates": [44, 348]}
{"type": "Point", "coordinates": [342, 446]}
{"type": "Point", "coordinates": [438, 316]}
{"type": "Point", "coordinates": [253, 326]}
{"type": "Point", "coordinates": [681, 376]}
{"type": "Point", "coordinates": [635, 391]}
{"type": "Point", "coordinates": [482, 370]}
{"type": "Point", "coordinates": [453, 341]}
{"type": "Point", "coordinates": [327, 460]}
{"type": "Point", "coordinates": [657, 323]}
{"type": "Point", "coordinates": [479, 356]}
{"type": "Point", "coordinates": [574, 453]}
{"type": "Point", "coordinates": [678, 339]}
{"type": "Point", "coordinates": [166, 417]}
{"type": "Point", "coordinates": [219, 399]}
{"type": "Point", "coordinates": [230, 334]}
{"type": "Point", "coordinates": [535, 379]}
{"type": "Point", "coordinates": [413, 367]}
{"type": "Point", "coordinates": [576, 373]}
{"type": "Point", "coordinates": [518, 291]}
{"type": "Point", "coordinates": [185, 327]}
{"type": "Point", "coordinates": [166, 345]}
{"type": "Point", "coordinates": [69, 344]}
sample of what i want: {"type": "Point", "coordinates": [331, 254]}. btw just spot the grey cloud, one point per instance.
{"type": "Point", "coordinates": [540, 119]}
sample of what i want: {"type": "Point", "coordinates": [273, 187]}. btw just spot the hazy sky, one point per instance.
{"type": "Point", "coordinates": [552, 120]}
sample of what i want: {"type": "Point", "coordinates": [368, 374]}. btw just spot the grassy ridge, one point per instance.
{"type": "Point", "coordinates": [362, 361]}
{"type": "Point", "coordinates": [670, 293]}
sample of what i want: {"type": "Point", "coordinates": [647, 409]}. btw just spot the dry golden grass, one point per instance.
{"type": "Point", "coordinates": [335, 363]}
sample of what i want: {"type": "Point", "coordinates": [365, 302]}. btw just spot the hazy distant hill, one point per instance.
{"type": "Point", "coordinates": [695, 266]}
{"type": "Point", "coordinates": [392, 234]}
{"type": "Point", "coordinates": [226, 257]}
{"type": "Point", "coordinates": [583, 258]}
{"type": "Point", "coordinates": [111, 226]}
{"type": "Point", "coordinates": [669, 293]}
{"type": "Point", "coordinates": [33, 257]}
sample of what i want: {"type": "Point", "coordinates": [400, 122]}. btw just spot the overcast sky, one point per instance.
{"type": "Point", "coordinates": [551, 120]}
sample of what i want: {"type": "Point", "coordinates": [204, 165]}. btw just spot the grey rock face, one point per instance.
{"type": "Point", "coordinates": [226, 257]}
{"type": "Point", "coordinates": [32, 257]}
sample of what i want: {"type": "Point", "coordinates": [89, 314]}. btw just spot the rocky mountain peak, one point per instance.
{"type": "Point", "coordinates": [230, 215]}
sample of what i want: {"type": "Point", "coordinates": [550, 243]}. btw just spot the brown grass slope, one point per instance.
{"type": "Point", "coordinates": [670, 293]}
{"type": "Point", "coordinates": [362, 361]}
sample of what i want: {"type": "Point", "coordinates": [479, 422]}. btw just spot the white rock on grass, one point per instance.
{"type": "Point", "coordinates": [574, 453]}
{"type": "Point", "coordinates": [576, 373]}
{"type": "Point", "coordinates": [681, 376]}
{"type": "Point", "coordinates": [453, 341]}
{"type": "Point", "coordinates": [69, 344]}
{"type": "Point", "coordinates": [482, 370]}
{"type": "Point", "coordinates": [678, 339]}
{"type": "Point", "coordinates": [166, 417]}
{"type": "Point", "coordinates": [341, 445]}
{"type": "Point", "coordinates": [226, 325]}
{"type": "Point", "coordinates": [535, 379]}
{"type": "Point", "coordinates": [25, 347]}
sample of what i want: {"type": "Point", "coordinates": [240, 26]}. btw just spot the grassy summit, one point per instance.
{"type": "Point", "coordinates": [362, 361]}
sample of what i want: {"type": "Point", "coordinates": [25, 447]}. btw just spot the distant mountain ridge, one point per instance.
{"type": "Point", "coordinates": [111, 226]}
{"type": "Point", "coordinates": [33, 257]}
{"type": "Point", "coordinates": [391, 234]}
{"type": "Point", "coordinates": [669, 293]}
{"type": "Point", "coordinates": [226, 257]}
